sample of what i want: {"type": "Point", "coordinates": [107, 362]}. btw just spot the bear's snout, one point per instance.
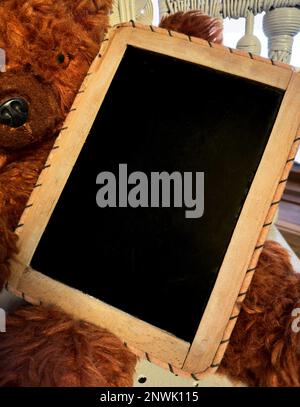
{"type": "Point", "coordinates": [14, 112]}
{"type": "Point", "coordinates": [29, 110]}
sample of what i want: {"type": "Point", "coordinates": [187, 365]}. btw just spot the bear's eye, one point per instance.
{"type": "Point", "coordinates": [60, 58]}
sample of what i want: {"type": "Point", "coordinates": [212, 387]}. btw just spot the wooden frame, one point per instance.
{"type": "Point", "coordinates": [234, 277]}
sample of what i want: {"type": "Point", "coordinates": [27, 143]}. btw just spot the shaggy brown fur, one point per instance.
{"type": "Point", "coordinates": [264, 350]}
{"type": "Point", "coordinates": [49, 47]}
{"type": "Point", "coordinates": [195, 24]}
{"type": "Point", "coordinates": [45, 347]}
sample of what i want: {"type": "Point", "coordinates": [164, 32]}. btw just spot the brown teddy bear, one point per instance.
{"type": "Point", "coordinates": [48, 56]}
{"type": "Point", "coordinates": [49, 47]}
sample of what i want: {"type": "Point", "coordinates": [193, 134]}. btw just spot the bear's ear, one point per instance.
{"type": "Point", "coordinates": [195, 24]}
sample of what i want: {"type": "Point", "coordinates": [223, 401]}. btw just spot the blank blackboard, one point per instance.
{"type": "Point", "coordinates": [160, 114]}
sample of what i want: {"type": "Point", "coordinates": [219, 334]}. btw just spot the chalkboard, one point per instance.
{"type": "Point", "coordinates": [160, 114]}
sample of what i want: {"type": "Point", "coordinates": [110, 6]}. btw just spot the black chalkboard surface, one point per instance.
{"type": "Point", "coordinates": [160, 114]}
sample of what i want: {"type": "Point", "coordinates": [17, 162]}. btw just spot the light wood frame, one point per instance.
{"type": "Point", "coordinates": [208, 347]}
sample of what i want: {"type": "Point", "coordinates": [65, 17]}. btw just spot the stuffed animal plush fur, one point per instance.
{"type": "Point", "coordinates": [43, 346]}
{"type": "Point", "coordinates": [264, 349]}
{"type": "Point", "coordinates": [194, 24]}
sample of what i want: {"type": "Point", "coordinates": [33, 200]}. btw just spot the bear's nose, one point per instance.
{"type": "Point", "coordinates": [14, 112]}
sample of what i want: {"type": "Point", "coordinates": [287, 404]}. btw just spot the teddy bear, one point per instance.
{"type": "Point", "coordinates": [49, 46]}
{"type": "Point", "coordinates": [43, 346]}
